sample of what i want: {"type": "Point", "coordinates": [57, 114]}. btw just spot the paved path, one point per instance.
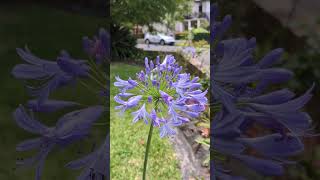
{"type": "Point", "coordinates": [156, 47]}
{"type": "Point", "coordinates": [304, 19]}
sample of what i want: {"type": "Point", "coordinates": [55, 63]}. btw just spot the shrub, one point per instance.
{"type": "Point", "coordinates": [123, 44]}
{"type": "Point", "coordinates": [199, 30]}
{"type": "Point", "coordinates": [182, 36]}
{"type": "Point", "coordinates": [200, 34]}
{"type": "Point", "coordinates": [201, 43]}
{"type": "Point", "coordinates": [205, 24]}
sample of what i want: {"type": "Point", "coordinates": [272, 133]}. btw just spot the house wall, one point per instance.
{"type": "Point", "coordinates": [206, 8]}
{"type": "Point", "coordinates": [183, 26]}
{"type": "Point", "coordinates": [195, 7]}
{"type": "Point", "coordinates": [179, 27]}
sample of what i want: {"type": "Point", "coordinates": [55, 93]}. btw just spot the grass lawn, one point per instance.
{"type": "Point", "coordinates": [128, 142]}
{"type": "Point", "coordinates": [46, 31]}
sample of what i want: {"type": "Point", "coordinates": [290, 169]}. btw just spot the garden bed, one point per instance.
{"type": "Point", "coordinates": [190, 153]}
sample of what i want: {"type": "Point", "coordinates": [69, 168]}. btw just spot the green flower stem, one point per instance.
{"type": "Point", "coordinates": [215, 108]}
{"type": "Point", "coordinates": [148, 145]}
{"type": "Point", "coordinates": [97, 81]}
{"type": "Point", "coordinates": [147, 152]}
{"type": "Point", "coordinates": [99, 76]}
{"type": "Point", "coordinates": [87, 86]}
{"type": "Point", "coordinates": [94, 68]}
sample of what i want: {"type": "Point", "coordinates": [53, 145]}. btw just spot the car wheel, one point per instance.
{"type": "Point", "coordinates": [147, 41]}
{"type": "Point", "coordinates": [162, 42]}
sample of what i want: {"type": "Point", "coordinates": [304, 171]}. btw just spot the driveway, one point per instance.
{"type": "Point", "coordinates": [160, 48]}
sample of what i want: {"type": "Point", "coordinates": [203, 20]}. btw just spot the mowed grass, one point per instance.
{"type": "Point", "coordinates": [128, 141]}
{"type": "Point", "coordinates": [46, 31]}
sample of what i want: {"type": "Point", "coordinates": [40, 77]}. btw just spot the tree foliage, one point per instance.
{"type": "Point", "coordinates": [146, 12]}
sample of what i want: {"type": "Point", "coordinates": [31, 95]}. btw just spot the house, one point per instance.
{"type": "Point", "coordinates": [200, 13]}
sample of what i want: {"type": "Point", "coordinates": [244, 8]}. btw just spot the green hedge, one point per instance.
{"type": "Point", "coordinates": [182, 36]}
{"type": "Point", "coordinates": [200, 34]}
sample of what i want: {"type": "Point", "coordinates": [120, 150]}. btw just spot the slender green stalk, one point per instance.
{"type": "Point", "coordinates": [147, 152]}
{"type": "Point", "coordinates": [86, 86]}
{"type": "Point", "coordinates": [148, 145]}
{"type": "Point", "coordinates": [97, 81]}
{"type": "Point", "coordinates": [94, 68]}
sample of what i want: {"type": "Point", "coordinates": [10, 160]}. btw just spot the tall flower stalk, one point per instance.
{"type": "Point", "coordinates": [163, 96]}
{"type": "Point", "coordinates": [146, 155]}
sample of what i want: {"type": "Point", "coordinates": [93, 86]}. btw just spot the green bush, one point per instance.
{"type": "Point", "coordinates": [123, 44]}
{"type": "Point", "coordinates": [200, 34]}
{"type": "Point", "coordinates": [182, 36]}
{"type": "Point", "coordinates": [205, 25]}
{"type": "Point", "coordinates": [199, 30]}
{"type": "Point", "coordinates": [201, 44]}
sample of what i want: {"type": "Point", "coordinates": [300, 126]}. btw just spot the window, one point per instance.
{"type": "Point", "coordinates": [185, 25]}
{"type": "Point", "coordinates": [194, 24]}
{"type": "Point", "coordinates": [200, 8]}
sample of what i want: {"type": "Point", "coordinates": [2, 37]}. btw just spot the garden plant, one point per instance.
{"type": "Point", "coordinates": [163, 96]}
{"type": "Point", "coordinates": [252, 123]}
{"type": "Point", "coordinates": [43, 77]}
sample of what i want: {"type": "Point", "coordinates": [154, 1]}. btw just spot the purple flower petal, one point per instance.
{"type": "Point", "coordinates": [49, 105]}
{"type": "Point", "coordinates": [28, 123]}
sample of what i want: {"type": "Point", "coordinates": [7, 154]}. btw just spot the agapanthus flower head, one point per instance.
{"type": "Point", "coordinates": [241, 103]}
{"type": "Point", "coordinates": [76, 68]}
{"type": "Point", "coordinates": [46, 76]}
{"type": "Point", "coordinates": [217, 28]}
{"type": "Point", "coordinates": [163, 95]}
{"type": "Point", "coordinates": [42, 70]}
{"type": "Point", "coordinates": [190, 51]}
{"type": "Point", "coordinates": [99, 47]}
{"type": "Point", "coordinates": [94, 164]}
{"type": "Point", "coordinates": [69, 128]}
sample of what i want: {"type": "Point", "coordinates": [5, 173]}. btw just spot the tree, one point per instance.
{"type": "Point", "coordinates": [184, 7]}
{"type": "Point", "coordinates": [146, 12]}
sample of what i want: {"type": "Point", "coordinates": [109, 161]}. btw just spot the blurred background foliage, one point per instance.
{"type": "Point", "coordinates": [146, 12]}
{"type": "Point", "coordinates": [88, 7]}
{"type": "Point", "coordinates": [123, 44]}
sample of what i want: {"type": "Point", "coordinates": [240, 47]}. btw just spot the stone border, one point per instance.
{"type": "Point", "coordinates": [188, 154]}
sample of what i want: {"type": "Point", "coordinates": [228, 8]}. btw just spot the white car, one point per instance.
{"type": "Point", "coordinates": [158, 38]}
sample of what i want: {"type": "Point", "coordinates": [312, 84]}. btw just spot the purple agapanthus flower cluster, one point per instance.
{"type": "Point", "coordinates": [162, 95]}
{"type": "Point", "coordinates": [43, 77]}
{"type": "Point", "coordinates": [191, 51]}
{"type": "Point", "coordinates": [241, 101]}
